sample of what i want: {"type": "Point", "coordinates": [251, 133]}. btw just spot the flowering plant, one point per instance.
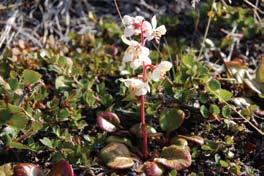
{"type": "Point", "coordinates": [137, 55]}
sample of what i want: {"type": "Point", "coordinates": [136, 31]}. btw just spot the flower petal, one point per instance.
{"type": "Point", "coordinates": [129, 31]}
{"type": "Point", "coordinates": [128, 57]}
{"type": "Point", "coordinates": [146, 26]}
{"type": "Point", "coordinates": [161, 30]}
{"type": "Point", "coordinates": [138, 19]}
{"type": "Point", "coordinates": [155, 76]}
{"type": "Point", "coordinates": [145, 59]}
{"type": "Point", "coordinates": [154, 22]}
{"type": "Point", "coordinates": [165, 65]}
{"type": "Point", "coordinates": [125, 40]}
{"type": "Point", "coordinates": [128, 20]}
{"type": "Point", "coordinates": [144, 51]}
{"type": "Point", "coordinates": [136, 63]}
{"type": "Point", "coordinates": [160, 70]}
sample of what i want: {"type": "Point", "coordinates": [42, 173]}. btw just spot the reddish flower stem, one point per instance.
{"type": "Point", "coordinates": [142, 107]}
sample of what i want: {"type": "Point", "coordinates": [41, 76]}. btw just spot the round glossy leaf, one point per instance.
{"type": "Point", "coordinates": [119, 139]}
{"type": "Point", "coordinates": [193, 138]}
{"type": "Point", "coordinates": [62, 168]}
{"type": "Point", "coordinates": [171, 119]}
{"type": "Point", "coordinates": [214, 85]}
{"type": "Point", "coordinates": [214, 109]}
{"type": "Point", "coordinates": [226, 111]}
{"type": "Point", "coordinates": [204, 111]}
{"type": "Point", "coordinates": [27, 169]}
{"type": "Point", "coordinates": [108, 121]}
{"type": "Point", "coordinates": [152, 169]}
{"type": "Point", "coordinates": [181, 142]}
{"type": "Point", "coordinates": [136, 130]}
{"type": "Point", "coordinates": [175, 157]}
{"type": "Point", "coordinates": [6, 170]}
{"type": "Point", "coordinates": [121, 163]}
{"type": "Point", "coordinates": [224, 95]}
{"type": "Point", "coordinates": [116, 156]}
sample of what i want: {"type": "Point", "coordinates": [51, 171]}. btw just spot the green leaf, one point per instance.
{"type": "Point", "coordinates": [224, 95]}
{"type": "Point", "coordinates": [260, 71]}
{"type": "Point", "coordinates": [119, 139]}
{"type": "Point", "coordinates": [210, 146]}
{"type": "Point", "coordinates": [188, 60]}
{"type": "Point", "coordinates": [18, 145]}
{"type": "Point", "coordinates": [171, 119]}
{"type": "Point", "coordinates": [13, 83]}
{"type": "Point", "coordinates": [13, 117]}
{"type": "Point", "coordinates": [60, 82]}
{"type": "Point", "coordinates": [63, 115]}
{"type": "Point", "coordinates": [47, 142]}
{"type": "Point", "coordinates": [203, 98]}
{"type": "Point", "coordinates": [223, 163]}
{"type": "Point", "coordinates": [214, 109]}
{"type": "Point", "coordinates": [18, 121]}
{"type": "Point", "coordinates": [204, 111]}
{"type": "Point", "coordinates": [226, 111]}
{"type": "Point", "coordinates": [30, 76]}
{"type": "Point", "coordinates": [214, 85]}
{"type": "Point", "coordinates": [173, 173]}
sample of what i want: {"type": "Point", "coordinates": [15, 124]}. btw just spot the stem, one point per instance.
{"type": "Point", "coordinates": [142, 108]}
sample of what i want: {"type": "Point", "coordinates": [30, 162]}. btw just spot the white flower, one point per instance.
{"type": "Point", "coordinates": [137, 86]}
{"type": "Point", "coordinates": [160, 70]}
{"type": "Point", "coordinates": [133, 25]}
{"type": "Point", "coordinates": [151, 31]}
{"type": "Point", "coordinates": [136, 54]}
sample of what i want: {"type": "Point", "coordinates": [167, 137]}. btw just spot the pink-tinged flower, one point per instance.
{"type": "Point", "coordinates": [151, 31]}
{"type": "Point", "coordinates": [133, 25]}
{"type": "Point", "coordinates": [137, 86]}
{"type": "Point", "coordinates": [160, 70]}
{"type": "Point", "coordinates": [136, 54]}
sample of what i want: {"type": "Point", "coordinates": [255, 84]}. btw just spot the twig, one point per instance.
{"type": "Point", "coordinates": [206, 31]}
{"type": "Point", "coordinates": [143, 3]}
{"type": "Point", "coordinates": [119, 14]}
{"type": "Point", "coordinates": [255, 7]}
{"type": "Point", "coordinates": [250, 123]}
{"type": "Point", "coordinates": [233, 43]}
{"type": "Point", "coordinates": [8, 27]}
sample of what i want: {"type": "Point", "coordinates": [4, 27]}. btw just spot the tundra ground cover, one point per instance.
{"type": "Point", "coordinates": [65, 101]}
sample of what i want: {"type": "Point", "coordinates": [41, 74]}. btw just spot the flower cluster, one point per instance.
{"type": "Point", "coordinates": [137, 55]}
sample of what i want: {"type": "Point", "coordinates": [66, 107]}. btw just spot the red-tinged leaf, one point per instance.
{"type": "Point", "coordinates": [111, 50]}
{"type": "Point", "coordinates": [175, 157]}
{"type": "Point", "coordinates": [136, 130]}
{"type": "Point", "coordinates": [62, 168]}
{"type": "Point", "coordinates": [193, 138]}
{"type": "Point", "coordinates": [152, 169]}
{"type": "Point", "coordinates": [27, 169]}
{"type": "Point", "coordinates": [108, 121]}
{"type": "Point", "coordinates": [116, 156]}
